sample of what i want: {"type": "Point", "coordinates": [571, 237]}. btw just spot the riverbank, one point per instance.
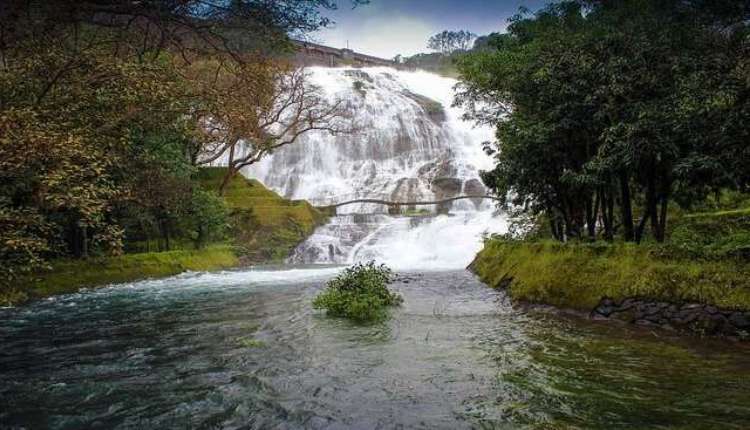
{"type": "Point", "coordinates": [69, 276]}
{"type": "Point", "coordinates": [263, 227]}
{"type": "Point", "coordinates": [699, 281]}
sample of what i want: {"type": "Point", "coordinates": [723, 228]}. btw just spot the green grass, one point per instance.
{"type": "Point", "coordinates": [577, 276]}
{"type": "Point", "coordinates": [705, 259]}
{"type": "Point", "coordinates": [719, 235]}
{"type": "Point", "coordinates": [67, 276]}
{"type": "Point", "coordinates": [265, 226]}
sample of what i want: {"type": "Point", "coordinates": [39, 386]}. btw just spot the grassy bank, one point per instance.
{"type": "Point", "coordinates": [705, 261]}
{"type": "Point", "coordinates": [265, 226]}
{"type": "Point", "coordinates": [67, 276]}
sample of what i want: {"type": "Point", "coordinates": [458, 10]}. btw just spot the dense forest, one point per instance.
{"type": "Point", "coordinates": [609, 114]}
{"type": "Point", "coordinates": [108, 108]}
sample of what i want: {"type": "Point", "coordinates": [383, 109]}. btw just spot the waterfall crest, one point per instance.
{"type": "Point", "coordinates": [410, 145]}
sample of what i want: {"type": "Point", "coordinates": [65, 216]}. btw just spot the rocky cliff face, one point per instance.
{"type": "Point", "coordinates": [409, 144]}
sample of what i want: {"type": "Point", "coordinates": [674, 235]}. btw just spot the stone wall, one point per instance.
{"type": "Point", "coordinates": [692, 317]}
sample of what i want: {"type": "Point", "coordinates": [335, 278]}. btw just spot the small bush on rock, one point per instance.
{"type": "Point", "coordinates": [359, 293]}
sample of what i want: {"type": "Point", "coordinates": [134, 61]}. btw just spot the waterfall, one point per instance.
{"type": "Point", "coordinates": [410, 144]}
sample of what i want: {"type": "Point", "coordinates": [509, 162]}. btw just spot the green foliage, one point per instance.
{"type": "Point", "coordinates": [435, 62]}
{"type": "Point", "coordinates": [359, 293]}
{"type": "Point", "coordinates": [603, 107]}
{"type": "Point", "coordinates": [98, 129]}
{"type": "Point", "coordinates": [208, 217]}
{"type": "Point", "coordinates": [579, 275]}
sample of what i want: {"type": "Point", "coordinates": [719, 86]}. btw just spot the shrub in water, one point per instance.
{"type": "Point", "coordinates": [359, 293]}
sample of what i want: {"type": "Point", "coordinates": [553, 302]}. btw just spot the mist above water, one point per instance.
{"type": "Point", "coordinates": [411, 145]}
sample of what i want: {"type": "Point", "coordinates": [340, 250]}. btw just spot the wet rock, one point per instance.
{"type": "Point", "coordinates": [627, 315]}
{"type": "Point", "coordinates": [599, 316]}
{"type": "Point", "coordinates": [685, 316]}
{"type": "Point", "coordinates": [740, 320]}
{"type": "Point", "coordinates": [650, 309]}
{"type": "Point", "coordinates": [432, 108]}
{"type": "Point", "coordinates": [359, 74]}
{"type": "Point", "coordinates": [627, 304]}
{"type": "Point", "coordinates": [474, 187]}
{"type": "Point", "coordinates": [692, 306]}
{"type": "Point", "coordinates": [696, 317]}
{"type": "Point", "coordinates": [605, 310]}
{"type": "Point", "coordinates": [446, 185]}
{"type": "Point", "coordinates": [670, 311]}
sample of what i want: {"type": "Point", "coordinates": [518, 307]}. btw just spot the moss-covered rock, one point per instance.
{"type": "Point", "coordinates": [432, 108]}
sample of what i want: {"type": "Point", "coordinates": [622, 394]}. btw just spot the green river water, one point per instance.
{"type": "Point", "coordinates": [245, 350]}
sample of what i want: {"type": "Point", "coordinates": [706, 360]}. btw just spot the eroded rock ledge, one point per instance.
{"type": "Point", "coordinates": [692, 317]}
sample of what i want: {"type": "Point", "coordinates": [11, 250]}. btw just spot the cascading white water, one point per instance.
{"type": "Point", "coordinates": [409, 145]}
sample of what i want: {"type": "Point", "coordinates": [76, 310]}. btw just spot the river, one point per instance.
{"type": "Point", "coordinates": [244, 349]}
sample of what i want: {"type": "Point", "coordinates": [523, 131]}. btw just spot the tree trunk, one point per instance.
{"type": "Point", "coordinates": [641, 226]}
{"type": "Point", "coordinates": [84, 241]}
{"type": "Point", "coordinates": [652, 205]}
{"type": "Point", "coordinates": [663, 219]}
{"type": "Point", "coordinates": [626, 208]}
{"type": "Point", "coordinates": [166, 235]}
{"type": "Point", "coordinates": [227, 178]}
{"type": "Point", "coordinates": [164, 228]}
{"type": "Point", "coordinates": [607, 214]}
{"type": "Point", "coordinates": [591, 216]}
{"type": "Point", "coordinates": [609, 231]}
{"type": "Point", "coordinates": [199, 238]}
{"type": "Point", "coordinates": [553, 227]}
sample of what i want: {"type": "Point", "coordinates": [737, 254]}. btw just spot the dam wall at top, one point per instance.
{"type": "Point", "coordinates": [313, 54]}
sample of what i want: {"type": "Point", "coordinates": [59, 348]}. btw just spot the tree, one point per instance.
{"type": "Point", "coordinates": [186, 26]}
{"type": "Point", "coordinates": [447, 41]}
{"type": "Point", "coordinates": [601, 105]}
{"type": "Point", "coordinates": [97, 140]}
{"type": "Point", "coordinates": [255, 108]}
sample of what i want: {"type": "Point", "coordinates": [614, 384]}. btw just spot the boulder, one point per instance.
{"type": "Point", "coordinates": [740, 320]}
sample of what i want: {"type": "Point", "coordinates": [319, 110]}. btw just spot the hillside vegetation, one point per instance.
{"type": "Point", "coordinates": [263, 227]}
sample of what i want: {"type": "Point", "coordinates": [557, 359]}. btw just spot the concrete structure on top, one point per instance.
{"type": "Point", "coordinates": [313, 54]}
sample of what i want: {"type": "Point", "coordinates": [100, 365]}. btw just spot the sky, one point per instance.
{"type": "Point", "coordinates": [385, 28]}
